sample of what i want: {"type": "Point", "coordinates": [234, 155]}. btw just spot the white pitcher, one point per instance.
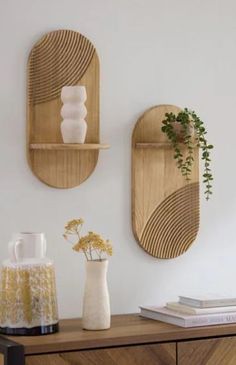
{"type": "Point", "coordinates": [27, 245]}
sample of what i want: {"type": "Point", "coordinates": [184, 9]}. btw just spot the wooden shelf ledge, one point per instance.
{"type": "Point", "coordinates": [145, 145]}
{"type": "Point", "coordinates": [68, 146]}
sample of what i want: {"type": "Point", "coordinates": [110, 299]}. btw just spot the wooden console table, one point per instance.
{"type": "Point", "coordinates": [132, 340]}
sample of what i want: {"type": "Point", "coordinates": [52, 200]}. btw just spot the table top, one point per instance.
{"type": "Point", "coordinates": [128, 329]}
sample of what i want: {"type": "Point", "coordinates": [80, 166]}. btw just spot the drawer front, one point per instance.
{"type": "Point", "coordinates": [161, 354]}
{"type": "Point", "coordinates": [221, 351]}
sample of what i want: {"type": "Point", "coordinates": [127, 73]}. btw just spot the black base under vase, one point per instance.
{"type": "Point", "coordinates": [35, 331]}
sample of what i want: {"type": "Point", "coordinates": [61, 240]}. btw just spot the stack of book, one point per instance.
{"type": "Point", "coordinates": [194, 311]}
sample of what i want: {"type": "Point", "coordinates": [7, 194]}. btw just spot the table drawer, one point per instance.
{"type": "Point", "coordinates": [218, 351]}
{"type": "Point", "coordinates": [160, 354]}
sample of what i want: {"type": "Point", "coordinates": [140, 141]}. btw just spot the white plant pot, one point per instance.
{"type": "Point", "coordinates": [73, 130]}
{"type": "Point", "coordinates": [178, 129]}
{"type": "Point", "coordinates": [96, 304]}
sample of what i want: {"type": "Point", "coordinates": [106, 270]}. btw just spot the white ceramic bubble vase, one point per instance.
{"type": "Point", "coordinates": [73, 112]}
{"type": "Point", "coordinates": [96, 303]}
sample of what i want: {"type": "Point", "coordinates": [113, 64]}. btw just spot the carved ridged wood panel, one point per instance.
{"type": "Point", "coordinates": [61, 58]}
{"type": "Point", "coordinates": [220, 351]}
{"type": "Point", "coordinates": [161, 354]}
{"type": "Point", "coordinates": [165, 208]}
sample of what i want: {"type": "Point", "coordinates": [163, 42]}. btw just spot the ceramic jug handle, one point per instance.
{"type": "Point", "coordinates": [14, 251]}
{"type": "Point", "coordinates": [44, 247]}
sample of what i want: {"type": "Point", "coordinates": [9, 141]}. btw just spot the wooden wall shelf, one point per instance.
{"type": "Point", "coordinates": [68, 146]}
{"type": "Point", "coordinates": [141, 145]}
{"type": "Point", "coordinates": [61, 58]}
{"type": "Point", "coordinates": [165, 208]}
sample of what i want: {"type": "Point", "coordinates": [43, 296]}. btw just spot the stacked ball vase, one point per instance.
{"type": "Point", "coordinates": [73, 112]}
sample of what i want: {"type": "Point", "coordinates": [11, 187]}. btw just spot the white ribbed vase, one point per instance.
{"type": "Point", "coordinates": [96, 304]}
{"type": "Point", "coordinates": [73, 112]}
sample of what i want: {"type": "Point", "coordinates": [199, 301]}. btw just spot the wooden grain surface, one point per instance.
{"type": "Point", "coordinates": [165, 208]}
{"type": "Point", "coordinates": [1, 359]}
{"type": "Point", "coordinates": [61, 58]}
{"type": "Point", "coordinates": [220, 351]}
{"type": "Point", "coordinates": [163, 354]}
{"type": "Point", "coordinates": [125, 330]}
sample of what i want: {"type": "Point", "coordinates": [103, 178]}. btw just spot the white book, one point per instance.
{"type": "Point", "coordinates": [207, 301]}
{"type": "Point", "coordinates": [186, 309]}
{"type": "Point", "coordinates": [186, 320]}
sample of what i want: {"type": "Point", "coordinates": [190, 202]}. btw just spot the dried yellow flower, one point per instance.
{"type": "Point", "coordinates": [74, 226]}
{"type": "Point", "coordinates": [91, 244]}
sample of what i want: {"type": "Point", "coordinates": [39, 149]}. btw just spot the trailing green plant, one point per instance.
{"type": "Point", "coordinates": [188, 129]}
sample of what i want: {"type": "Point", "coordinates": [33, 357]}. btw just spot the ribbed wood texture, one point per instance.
{"type": "Point", "coordinates": [174, 223]}
{"type": "Point", "coordinates": [220, 351]}
{"type": "Point", "coordinates": [165, 208]}
{"type": "Point", "coordinates": [64, 53]}
{"type": "Point", "coordinates": [61, 58]}
{"type": "Point", "coordinates": [162, 354]}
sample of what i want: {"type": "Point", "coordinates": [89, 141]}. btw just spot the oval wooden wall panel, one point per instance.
{"type": "Point", "coordinates": [165, 208]}
{"type": "Point", "coordinates": [61, 58]}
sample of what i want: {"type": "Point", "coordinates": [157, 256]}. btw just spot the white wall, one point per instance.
{"type": "Point", "coordinates": [151, 52]}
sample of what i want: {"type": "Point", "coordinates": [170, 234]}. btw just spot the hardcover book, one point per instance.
{"type": "Point", "coordinates": [211, 300]}
{"type": "Point", "coordinates": [186, 309]}
{"type": "Point", "coordinates": [186, 320]}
